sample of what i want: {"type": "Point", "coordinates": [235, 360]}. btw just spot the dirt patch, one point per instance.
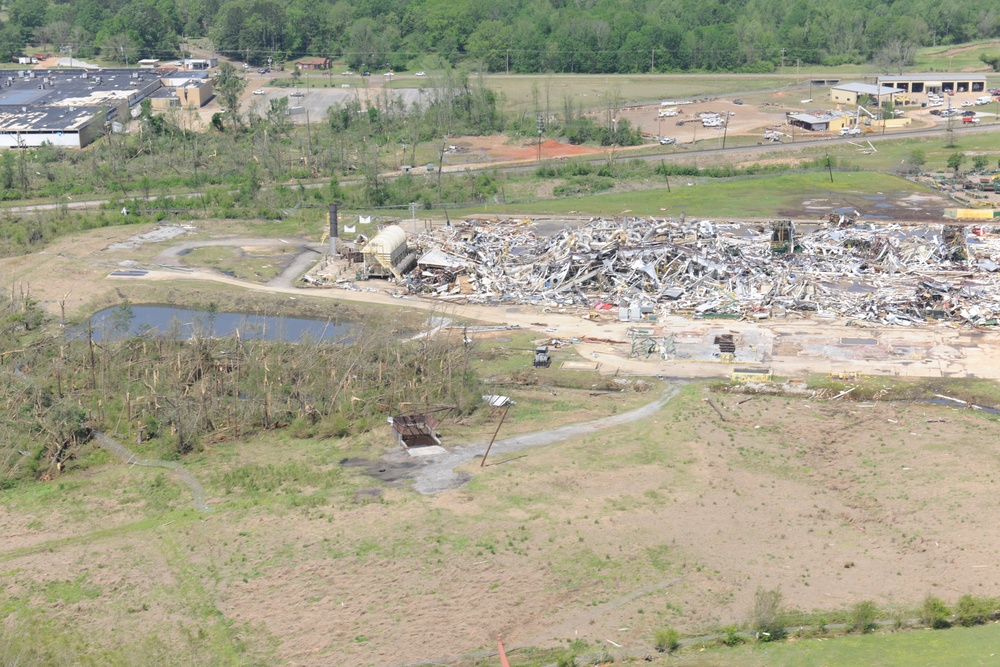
{"type": "Point", "coordinates": [876, 207]}
{"type": "Point", "coordinates": [549, 149]}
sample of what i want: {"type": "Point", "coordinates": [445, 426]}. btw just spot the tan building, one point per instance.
{"type": "Point", "coordinates": [822, 121]}
{"type": "Point", "coordinates": [185, 90]}
{"type": "Point", "coordinates": [851, 93]}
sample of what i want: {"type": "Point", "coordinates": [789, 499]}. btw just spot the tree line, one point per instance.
{"type": "Point", "coordinates": [596, 36]}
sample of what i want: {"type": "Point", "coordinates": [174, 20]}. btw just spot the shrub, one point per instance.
{"type": "Point", "coordinates": [935, 613]}
{"type": "Point", "coordinates": [579, 185]}
{"type": "Point", "coordinates": [765, 619]}
{"type": "Point", "coordinates": [666, 639]}
{"type": "Point", "coordinates": [970, 610]}
{"type": "Point", "coordinates": [862, 617]}
{"type": "Point", "coordinates": [733, 637]}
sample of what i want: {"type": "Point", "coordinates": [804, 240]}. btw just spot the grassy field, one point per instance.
{"type": "Point", "coordinates": [593, 91]}
{"type": "Point", "coordinates": [748, 197]}
{"type": "Point", "coordinates": [672, 521]}
{"type": "Point", "coordinates": [957, 647]}
{"type": "Point", "coordinates": [956, 57]}
{"type": "Point", "coordinates": [260, 265]}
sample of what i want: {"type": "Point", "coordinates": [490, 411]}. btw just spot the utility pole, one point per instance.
{"type": "Point", "coordinates": [541, 128]}
{"type": "Point", "coordinates": [508, 62]}
{"type": "Point", "coordinates": [652, 60]}
{"type": "Point", "coordinates": [493, 439]}
{"type": "Point", "coordinates": [782, 61]}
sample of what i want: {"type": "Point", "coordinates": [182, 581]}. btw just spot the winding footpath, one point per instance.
{"type": "Point", "coordinates": [122, 452]}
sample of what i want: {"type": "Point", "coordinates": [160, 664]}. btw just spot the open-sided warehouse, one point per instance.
{"type": "Point", "coordinates": [938, 82]}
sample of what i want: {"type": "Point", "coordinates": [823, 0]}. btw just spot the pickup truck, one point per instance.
{"type": "Point", "coordinates": [850, 131]}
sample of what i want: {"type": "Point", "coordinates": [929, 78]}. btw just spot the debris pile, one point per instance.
{"type": "Point", "coordinates": [647, 267]}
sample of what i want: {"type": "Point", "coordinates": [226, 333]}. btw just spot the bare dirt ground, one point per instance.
{"type": "Point", "coordinates": [672, 521]}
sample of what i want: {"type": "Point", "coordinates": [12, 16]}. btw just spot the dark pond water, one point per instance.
{"type": "Point", "coordinates": [183, 323]}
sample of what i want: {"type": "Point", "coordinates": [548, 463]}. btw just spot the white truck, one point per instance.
{"type": "Point", "coordinates": [985, 99]}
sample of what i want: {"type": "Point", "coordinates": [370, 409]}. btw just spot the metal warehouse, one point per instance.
{"type": "Point", "coordinates": [935, 82]}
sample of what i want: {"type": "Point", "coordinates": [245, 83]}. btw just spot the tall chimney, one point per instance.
{"type": "Point", "coordinates": [334, 232]}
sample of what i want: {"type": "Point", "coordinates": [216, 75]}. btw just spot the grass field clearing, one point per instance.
{"type": "Point", "coordinates": [763, 196]}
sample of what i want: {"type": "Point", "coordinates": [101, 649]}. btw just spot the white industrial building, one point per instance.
{"type": "Point", "coordinates": [70, 107]}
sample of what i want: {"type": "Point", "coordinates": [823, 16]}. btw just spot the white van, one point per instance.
{"type": "Point", "coordinates": [985, 99]}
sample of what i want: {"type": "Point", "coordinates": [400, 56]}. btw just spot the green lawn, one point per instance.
{"type": "Point", "coordinates": [955, 58]}
{"type": "Point", "coordinates": [763, 196]}
{"type": "Point", "coordinates": [957, 647]}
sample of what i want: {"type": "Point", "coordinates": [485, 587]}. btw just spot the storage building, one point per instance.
{"type": "Point", "coordinates": [851, 93]}
{"type": "Point", "coordinates": [935, 83]}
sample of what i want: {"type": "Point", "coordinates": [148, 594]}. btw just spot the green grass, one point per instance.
{"type": "Point", "coordinates": [738, 197]}
{"type": "Point", "coordinates": [892, 153]}
{"type": "Point", "coordinates": [949, 59]}
{"type": "Point", "coordinates": [531, 92]}
{"type": "Point", "coordinates": [253, 266]}
{"type": "Point", "coordinates": [958, 647]}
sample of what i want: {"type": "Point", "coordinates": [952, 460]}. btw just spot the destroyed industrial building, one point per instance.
{"type": "Point", "coordinates": [648, 268]}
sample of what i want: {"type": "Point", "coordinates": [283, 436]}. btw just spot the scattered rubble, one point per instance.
{"type": "Point", "coordinates": [647, 268]}
{"type": "Point", "coordinates": [157, 235]}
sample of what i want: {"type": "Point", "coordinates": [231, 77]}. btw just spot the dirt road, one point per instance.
{"type": "Point", "coordinates": [792, 346]}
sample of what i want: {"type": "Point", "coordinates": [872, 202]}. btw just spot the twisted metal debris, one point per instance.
{"type": "Point", "coordinates": [862, 271]}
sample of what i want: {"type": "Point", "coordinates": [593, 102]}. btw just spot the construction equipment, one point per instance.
{"type": "Point", "coordinates": [542, 358]}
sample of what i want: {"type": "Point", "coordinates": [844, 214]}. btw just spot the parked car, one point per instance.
{"type": "Point", "coordinates": [968, 103]}
{"type": "Point", "coordinates": [260, 91]}
{"type": "Point", "coordinates": [666, 141]}
{"type": "Point", "coordinates": [935, 112]}
{"type": "Point", "coordinates": [366, 74]}
{"type": "Point", "coordinates": [296, 93]}
{"type": "Point", "coordinates": [420, 74]}
{"type": "Point", "coordinates": [968, 114]}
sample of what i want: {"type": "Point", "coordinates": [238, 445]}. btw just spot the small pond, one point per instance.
{"type": "Point", "coordinates": [183, 323]}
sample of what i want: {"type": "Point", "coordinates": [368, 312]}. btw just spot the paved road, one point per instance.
{"type": "Point", "coordinates": [742, 152]}
{"type": "Point", "coordinates": [438, 472]}
{"type": "Point", "coordinates": [309, 253]}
